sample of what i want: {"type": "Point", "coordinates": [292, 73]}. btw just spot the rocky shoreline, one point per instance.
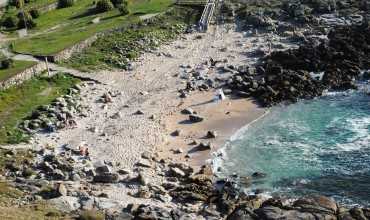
{"type": "Point", "coordinates": [181, 192]}
{"type": "Point", "coordinates": [160, 184]}
{"type": "Point", "coordinates": [306, 72]}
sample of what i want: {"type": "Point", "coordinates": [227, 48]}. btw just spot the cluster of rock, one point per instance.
{"type": "Point", "coordinates": [59, 114]}
{"type": "Point", "coordinates": [145, 36]}
{"type": "Point", "coordinates": [202, 78]}
{"type": "Point", "coordinates": [198, 195]}
{"type": "Point", "coordinates": [269, 15]}
{"type": "Point", "coordinates": [307, 71]}
{"type": "Point", "coordinates": [166, 189]}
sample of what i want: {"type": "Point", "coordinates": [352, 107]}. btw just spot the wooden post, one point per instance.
{"type": "Point", "coordinates": [47, 66]}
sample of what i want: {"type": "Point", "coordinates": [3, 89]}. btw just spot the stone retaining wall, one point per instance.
{"type": "Point", "coordinates": [68, 52]}
{"type": "Point", "coordinates": [23, 76]}
{"type": "Point", "coordinates": [47, 8]}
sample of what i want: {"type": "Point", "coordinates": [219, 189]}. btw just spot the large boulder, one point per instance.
{"type": "Point", "coordinates": [276, 213]}
{"type": "Point", "coordinates": [152, 212]}
{"type": "Point", "coordinates": [106, 178]}
{"type": "Point", "coordinates": [318, 204]}
{"type": "Point", "coordinates": [65, 203]}
{"type": "Point", "coordinates": [195, 118]}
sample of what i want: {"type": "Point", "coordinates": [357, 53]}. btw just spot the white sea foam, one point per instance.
{"type": "Point", "coordinates": [220, 155]}
{"type": "Point", "coordinates": [303, 144]}
{"type": "Point", "coordinates": [361, 137]}
{"type": "Point", "coordinates": [338, 93]}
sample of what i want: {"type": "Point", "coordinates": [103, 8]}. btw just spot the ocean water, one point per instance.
{"type": "Point", "coordinates": [319, 146]}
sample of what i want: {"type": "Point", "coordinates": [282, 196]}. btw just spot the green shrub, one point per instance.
{"type": "Point", "coordinates": [6, 64]}
{"type": "Point", "coordinates": [10, 22]}
{"type": "Point", "coordinates": [117, 3]}
{"type": "Point", "coordinates": [104, 6]}
{"type": "Point", "coordinates": [25, 19]}
{"type": "Point", "coordinates": [35, 13]}
{"type": "Point", "coordinates": [65, 3]}
{"type": "Point", "coordinates": [123, 9]}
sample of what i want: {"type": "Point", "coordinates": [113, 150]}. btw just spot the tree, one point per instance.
{"type": "Point", "coordinates": [123, 9]}
{"type": "Point", "coordinates": [104, 6]}
{"type": "Point", "coordinates": [65, 3]}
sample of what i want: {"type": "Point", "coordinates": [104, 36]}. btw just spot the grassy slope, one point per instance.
{"type": "Point", "coordinates": [9, 196]}
{"type": "Point", "coordinates": [18, 102]}
{"type": "Point", "coordinates": [104, 53]}
{"type": "Point", "coordinates": [18, 66]}
{"type": "Point", "coordinates": [9, 211]}
{"type": "Point", "coordinates": [65, 27]}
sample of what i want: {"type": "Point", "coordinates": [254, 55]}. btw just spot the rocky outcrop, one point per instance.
{"type": "Point", "coordinates": [306, 72]}
{"type": "Point", "coordinates": [59, 114]}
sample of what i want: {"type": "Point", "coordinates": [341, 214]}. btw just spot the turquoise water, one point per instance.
{"type": "Point", "coordinates": [314, 146]}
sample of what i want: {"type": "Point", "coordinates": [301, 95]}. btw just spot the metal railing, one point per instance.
{"type": "Point", "coordinates": [209, 7]}
{"type": "Point", "coordinates": [207, 15]}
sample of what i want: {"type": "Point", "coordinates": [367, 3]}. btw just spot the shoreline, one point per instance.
{"type": "Point", "coordinates": [224, 117]}
{"type": "Point", "coordinates": [144, 150]}
{"type": "Point", "coordinates": [220, 155]}
{"type": "Point", "coordinates": [152, 87]}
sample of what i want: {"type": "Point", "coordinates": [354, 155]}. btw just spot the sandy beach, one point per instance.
{"type": "Point", "coordinates": [113, 132]}
{"type": "Point", "coordinates": [157, 141]}
{"type": "Point", "coordinates": [132, 132]}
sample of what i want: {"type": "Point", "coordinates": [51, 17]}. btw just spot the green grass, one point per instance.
{"type": "Point", "coordinates": [51, 43]}
{"type": "Point", "coordinates": [113, 50]}
{"type": "Point", "coordinates": [13, 11]}
{"type": "Point", "coordinates": [16, 103]}
{"type": "Point", "coordinates": [17, 67]}
{"type": "Point", "coordinates": [148, 6]}
{"type": "Point", "coordinates": [63, 28]}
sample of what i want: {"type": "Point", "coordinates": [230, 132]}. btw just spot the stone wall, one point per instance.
{"type": "Point", "coordinates": [47, 8]}
{"type": "Point", "coordinates": [23, 76]}
{"type": "Point", "coordinates": [67, 53]}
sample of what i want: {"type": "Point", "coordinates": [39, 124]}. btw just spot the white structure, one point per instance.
{"type": "Point", "coordinates": [207, 15]}
{"type": "Point", "coordinates": [219, 96]}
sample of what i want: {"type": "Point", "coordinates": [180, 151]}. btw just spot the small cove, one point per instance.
{"type": "Point", "coordinates": [319, 146]}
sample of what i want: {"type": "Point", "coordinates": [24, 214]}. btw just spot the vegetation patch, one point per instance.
{"type": "Point", "coordinates": [14, 68]}
{"type": "Point", "coordinates": [11, 19]}
{"type": "Point", "coordinates": [115, 50]}
{"type": "Point", "coordinates": [91, 215]}
{"type": "Point", "coordinates": [10, 196]}
{"type": "Point", "coordinates": [34, 211]}
{"type": "Point", "coordinates": [59, 29]}
{"type": "Point", "coordinates": [13, 160]}
{"type": "Point", "coordinates": [16, 103]}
